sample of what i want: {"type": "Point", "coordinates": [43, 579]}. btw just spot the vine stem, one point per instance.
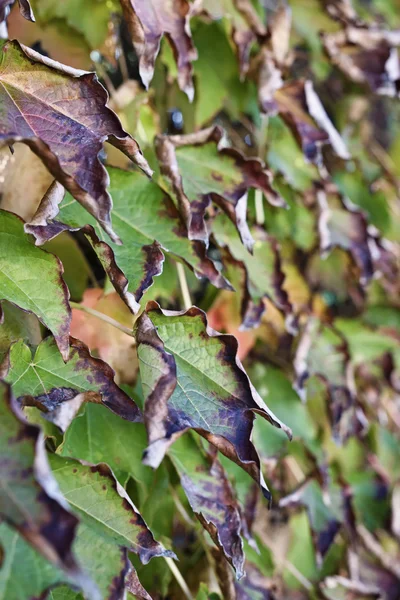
{"type": "Point", "coordinates": [187, 301]}
{"type": "Point", "coordinates": [178, 576]}
{"type": "Point", "coordinates": [102, 317]}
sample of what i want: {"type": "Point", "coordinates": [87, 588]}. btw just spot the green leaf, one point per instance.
{"type": "Point", "coordinates": [32, 279]}
{"type": "Point", "coordinates": [17, 324]}
{"type": "Point", "coordinates": [51, 382]}
{"type": "Point", "coordinates": [103, 506]}
{"type": "Point", "coordinates": [192, 378]}
{"type": "Point", "coordinates": [76, 268]}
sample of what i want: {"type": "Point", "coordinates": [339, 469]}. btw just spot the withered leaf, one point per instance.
{"type": "Point", "coordinates": [29, 499]}
{"type": "Point", "coordinates": [192, 379]}
{"type": "Point", "coordinates": [61, 114]}
{"type": "Point", "coordinates": [24, 7]}
{"type": "Point", "coordinates": [201, 171]}
{"type": "Point", "coordinates": [32, 279]}
{"type": "Point", "coordinates": [254, 585]}
{"type": "Point", "coordinates": [103, 505]}
{"type": "Point", "coordinates": [47, 381]}
{"type": "Point", "coordinates": [211, 497]}
{"type": "Point", "coordinates": [367, 56]}
{"type": "Point", "coordinates": [147, 221]}
{"type": "Point", "coordinates": [148, 21]}
{"type": "Point", "coordinates": [343, 225]}
{"type": "Point", "coordinates": [300, 107]}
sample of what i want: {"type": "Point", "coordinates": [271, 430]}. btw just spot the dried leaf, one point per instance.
{"type": "Point", "coordinates": [148, 21]}
{"type": "Point", "coordinates": [201, 171]}
{"type": "Point", "coordinates": [61, 114]}
{"type": "Point", "coordinates": [32, 279]}
{"type": "Point", "coordinates": [45, 380]}
{"type": "Point", "coordinates": [24, 7]}
{"type": "Point", "coordinates": [211, 497]}
{"type": "Point", "coordinates": [193, 380]}
{"type": "Point", "coordinates": [148, 223]}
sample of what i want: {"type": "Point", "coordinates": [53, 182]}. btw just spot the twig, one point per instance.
{"type": "Point", "coordinates": [387, 561]}
{"type": "Point", "coordinates": [103, 317]}
{"type": "Point", "coordinates": [178, 576]}
{"type": "Point", "coordinates": [259, 206]}
{"type": "Point", "coordinates": [187, 302]}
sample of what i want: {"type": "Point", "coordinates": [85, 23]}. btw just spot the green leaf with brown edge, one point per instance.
{"type": "Point", "coordinates": [46, 381]}
{"type": "Point", "coordinates": [17, 324]}
{"type": "Point", "coordinates": [32, 279]}
{"type": "Point", "coordinates": [341, 224]}
{"type": "Point", "coordinates": [211, 497]}
{"type": "Point", "coordinates": [24, 7]}
{"type": "Point", "coordinates": [29, 499]}
{"type": "Point", "coordinates": [103, 505]}
{"type": "Point", "coordinates": [148, 21]}
{"type": "Point", "coordinates": [193, 379]}
{"type": "Point", "coordinates": [61, 114]}
{"type": "Point", "coordinates": [325, 521]}
{"type": "Point", "coordinates": [147, 221]}
{"type": "Point", "coordinates": [201, 171]}
{"type": "Point", "coordinates": [261, 276]}
{"type": "Point", "coordinates": [323, 351]}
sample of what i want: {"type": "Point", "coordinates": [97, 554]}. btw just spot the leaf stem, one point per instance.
{"type": "Point", "coordinates": [187, 302]}
{"type": "Point", "coordinates": [178, 576]}
{"type": "Point", "coordinates": [102, 317]}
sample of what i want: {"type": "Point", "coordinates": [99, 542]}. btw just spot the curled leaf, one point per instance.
{"type": "Point", "coordinates": [148, 21]}
{"type": "Point", "coordinates": [192, 379]}
{"type": "Point", "coordinates": [24, 7]}
{"type": "Point", "coordinates": [201, 171]}
{"type": "Point", "coordinates": [211, 497]}
{"type": "Point", "coordinates": [47, 381]}
{"type": "Point", "coordinates": [32, 279]}
{"type": "Point", "coordinates": [61, 114]}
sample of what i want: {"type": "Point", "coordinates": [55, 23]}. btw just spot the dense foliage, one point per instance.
{"type": "Point", "coordinates": [200, 310]}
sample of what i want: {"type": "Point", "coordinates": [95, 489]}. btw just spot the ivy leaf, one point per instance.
{"type": "Point", "coordinates": [103, 505]}
{"type": "Point", "coordinates": [211, 497]}
{"type": "Point", "coordinates": [147, 221]}
{"type": "Point", "coordinates": [201, 171]}
{"type": "Point", "coordinates": [323, 519]}
{"type": "Point", "coordinates": [255, 276]}
{"type": "Point", "coordinates": [346, 227]}
{"type": "Point", "coordinates": [300, 107]}
{"type": "Point", "coordinates": [29, 499]}
{"type": "Point", "coordinates": [48, 381]}
{"type": "Point", "coordinates": [193, 379]}
{"type": "Point", "coordinates": [32, 279]}
{"type": "Point", "coordinates": [17, 324]}
{"type": "Point", "coordinates": [61, 114]}
{"type": "Point", "coordinates": [24, 7]}
{"type": "Point", "coordinates": [148, 21]}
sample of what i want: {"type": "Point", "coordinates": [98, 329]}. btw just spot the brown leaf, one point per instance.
{"type": "Point", "coordinates": [200, 170]}
{"type": "Point", "coordinates": [24, 7]}
{"type": "Point", "coordinates": [148, 21]}
{"type": "Point", "coordinates": [61, 114]}
{"type": "Point", "coordinates": [133, 586]}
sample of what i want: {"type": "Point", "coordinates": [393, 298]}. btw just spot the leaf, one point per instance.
{"type": "Point", "coordinates": [49, 382]}
{"type": "Point", "coordinates": [61, 114]}
{"type": "Point", "coordinates": [301, 109]}
{"type": "Point", "coordinates": [193, 379]}
{"type": "Point", "coordinates": [17, 325]}
{"type": "Point", "coordinates": [32, 279]}
{"type": "Point", "coordinates": [77, 269]}
{"type": "Point", "coordinates": [344, 226]}
{"type": "Point", "coordinates": [211, 497]}
{"type": "Point", "coordinates": [148, 223]}
{"type": "Point", "coordinates": [29, 499]}
{"type": "Point", "coordinates": [103, 505]}
{"type": "Point", "coordinates": [324, 520]}
{"type": "Point", "coordinates": [201, 171]}
{"type": "Point", "coordinates": [262, 275]}
{"type": "Point", "coordinates": [254, 585]}
{"type": "Point", "coordinates": [24, 7]}
{"type": "Point", "coordinates": [366, 56]}
{"type": "Point", "coordinates": [148, 21]}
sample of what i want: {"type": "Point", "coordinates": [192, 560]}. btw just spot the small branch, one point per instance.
{"type": "Point", "coordinates": [178, 576]}
{"type": "Point", "coordinates": [102, 317]}
{"type": "Point", "coordinates": [187, 302]}
{"type": "Point", "coordinates": [259, 206]}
